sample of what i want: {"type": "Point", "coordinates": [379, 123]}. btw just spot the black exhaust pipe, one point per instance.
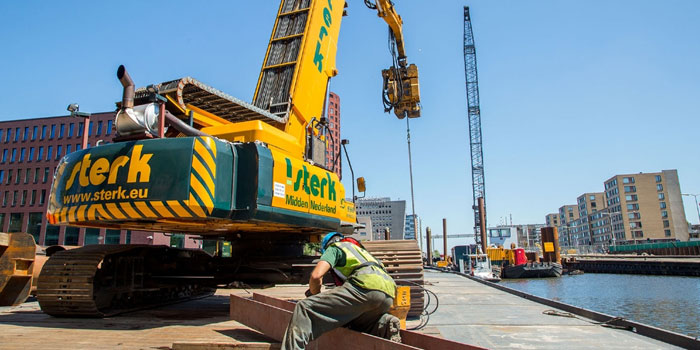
{"type": "Point", "coordinates": [128, 84]}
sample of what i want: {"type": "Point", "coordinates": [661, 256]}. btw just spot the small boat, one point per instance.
{"type": "Point", "coordinates": [479, 265]}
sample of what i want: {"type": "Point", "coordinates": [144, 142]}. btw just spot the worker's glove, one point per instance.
{"type": "Point", "coordinates": [308, 293]}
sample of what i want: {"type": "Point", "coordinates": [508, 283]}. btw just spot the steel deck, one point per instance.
{"type": "Point", "coordinates": [469, 312]}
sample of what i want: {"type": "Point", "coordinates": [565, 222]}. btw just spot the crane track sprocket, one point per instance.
{"type": "Point", "coordinates": [105, 280]}
{"type": "Point", "coordinates": [404, 262]}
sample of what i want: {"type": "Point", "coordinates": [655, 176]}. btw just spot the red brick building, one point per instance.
{"type": "Point", "coordinates": [30, 150]}
{"type": "Point", "coordinates": [333, 145]}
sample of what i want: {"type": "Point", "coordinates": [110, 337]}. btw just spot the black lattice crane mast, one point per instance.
{"type": "Point", "coordinates": [477, 155]}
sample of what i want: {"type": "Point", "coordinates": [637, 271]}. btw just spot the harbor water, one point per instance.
{"type": "Point", "coordinates": [668, 302]}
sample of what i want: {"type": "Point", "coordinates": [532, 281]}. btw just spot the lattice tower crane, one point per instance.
{"type": "Point", "coordinates": [474, 114]}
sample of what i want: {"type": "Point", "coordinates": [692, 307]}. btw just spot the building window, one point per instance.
{"type": "Point", "coordinates": [629, 189]}
{"type": "Point", "coordinates": [634, 215]}
{"type": "Point", "coordinates": [80, 129]}
{"type": "Point", "coordinates": [661, 196]}
{"type": "Point", "coordinates": [72, 235]}
{"type": "Point", "coordinates": [49, 152]}
{"type": "Point", "coordinates": [658, 178]}
{"type": "Point", "coordinates": [32, 199]}
{"type": "Point", "coordinates": [21, 154]}
{"type": "Point", "coordinates": [4, 155]}
{"type": "Point", "coordinates": [61, 131]}
{"type": "Point", "coordinates": [659, 187]}
{"type": "Point", "coordinates": [109, 128]}
{"type": "Point", "coordinates": [667, 233]}
{"type": "Point", "coordinates": [17, 131]}
{"type": "Point", "coordinates": [31, 154]}
{"type": "Point", "coordinates": [78, 147]}
{"type": "Point", "coordinates": [24, 198]}
{"type": "Point", "coordinates": [9, 176]}
{"type": "Point", "coordinates": [4, 200]}
{"type": "Point", "coordinates": [666, 223]}
{"type": "Point", "coordinates": [43, 196]}
{"type": "Point", "coordinates": [26, 175]}
{"type": "Point", "coordinates": [43, 132]}
{"type": "Point", "coordinates": [627, 180]}
{"type": "Point", "coordinates": [14, 155]}
{"type": "Point", "coordinates": [68, 149]}
{"type": "Point", "coordinates": [16, 222]}
{"type": "Point", "coordinates": [664, 214]}
{"type": "Point", "coordinates": [26, 133]}
{"type": "Point", "coordinates": [631, 197]}
{"type": "Point", "coordinates": [634, 206]}
{"type": "Point", "coordinates": [90, 129]}
{"type": "Point", "coordinates": [40, 155]}
{"type": "Point", "coordinates": [46, 175]}
{"type": "Point", "coordinates": [36, 175]}
{"type": "Point", "coordinates": [99, 128]}
{"type": "Point", "coordinates": [662, 205]}
{"type": "Point", "coordinates": [52, 134]}
{"type": "Point", "coordinates": [2, 175]}
{"type": "Point", "coordinates": [59, 149]}
{"type": "Point", "coordinates": [35, 131]}
{"type": "Point", "coordinates": [19, 175]}
{"type": "Point", "coordinates": [15, 194]}
{"type": "Point", "coordinates": [71, 128]}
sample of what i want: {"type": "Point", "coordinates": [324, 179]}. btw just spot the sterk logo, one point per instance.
{"type": "Point", "coordinates": [95, 173]}
{"type": "Point", "coordinates": [318, 57]}
{"type": "Point", "coordinates": [310, 183]}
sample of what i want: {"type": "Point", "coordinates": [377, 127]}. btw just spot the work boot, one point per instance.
{"type": "Point", "coordinates": [395, 329]}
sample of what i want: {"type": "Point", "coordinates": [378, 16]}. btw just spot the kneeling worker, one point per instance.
{"type": "Point", "coordinates": [361, 303]}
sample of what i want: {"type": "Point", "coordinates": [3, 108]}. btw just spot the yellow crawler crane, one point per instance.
{"type": "Point", "coordinates": [190, 158]}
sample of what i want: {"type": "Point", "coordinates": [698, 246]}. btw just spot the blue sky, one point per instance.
{"type": "Point", "coordinates": [572, 92]}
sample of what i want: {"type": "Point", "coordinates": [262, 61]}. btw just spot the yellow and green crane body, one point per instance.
{"type": "Point", "coordinates": [197, 184]}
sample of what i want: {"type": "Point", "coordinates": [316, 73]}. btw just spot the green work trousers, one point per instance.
{"type": "Point", "coordinates": [360, 309]}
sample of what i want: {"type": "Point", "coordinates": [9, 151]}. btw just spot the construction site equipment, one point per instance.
{"type": "Point", "coordinates": [189, 158]}
{"type": "Point", "coordinates": [474, 115]}
{"type": "Point", "coordinates": [16, 267]}
{"type": "Point", "coordinates": [271, 316]}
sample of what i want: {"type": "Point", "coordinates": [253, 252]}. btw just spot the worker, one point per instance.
{"type": "Point", "coordinates": [361, 303]}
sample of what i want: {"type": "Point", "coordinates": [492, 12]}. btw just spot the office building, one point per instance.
{"type": "Point", "coordinates": [30, 151]}
{"type": "Point", "coordinates": [363, 234]}
{"type": "Point", "coordinates": [529, 235]}
{"type": "Point", "coordinates": [384, 213]}
{"type": "Point", "coordinates": [646, 207]}
{"type": "Point", "coordinates": [333, 151]}
{"type": "Point", "coordinates": [411, 223]}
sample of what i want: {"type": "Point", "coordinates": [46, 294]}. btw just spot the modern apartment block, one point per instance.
{"type": "Point", "coordinates": [384, 213]}
{"type": "Point", "coordinates": [30, 150]}
{"type": "Point", "coordinates": [333, 156]}
{"type": "Point", "coordinates": [588, 204]}
{"type": "Point", "coordinates": [552, 220]}
{"type": "Point", "coordinates": [646, 207]}
{"type": "Point", "coordinates": [568, 214]}
{"type": "Point", "coordinates": [600, 227]}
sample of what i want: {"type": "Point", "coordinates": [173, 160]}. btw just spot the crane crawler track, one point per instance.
{"type": "Point", "coordinates": [105, 280]}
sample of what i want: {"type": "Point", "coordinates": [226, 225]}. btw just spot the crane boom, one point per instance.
{"type": "Point", "coordinates": [474, 114]}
